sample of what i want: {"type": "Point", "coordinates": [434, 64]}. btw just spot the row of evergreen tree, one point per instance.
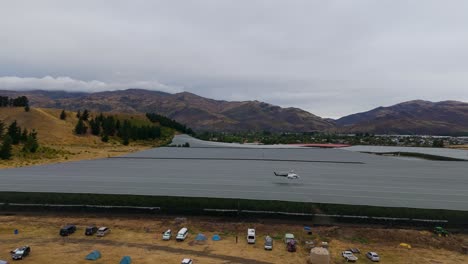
{"type": "Point", "coordinates": [107, 126]}
{"type": "Point", "coordinates": [21, 101]}
{"type": "Point", "coordinates": [14, 135]}
{"type": "Point", "coordinates": [167, 122]}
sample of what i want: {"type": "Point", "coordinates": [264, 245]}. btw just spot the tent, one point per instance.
{"type": "Point", "coordinates": [126, 260]}
{"type": "Point", "coordinates": [94, 255]}
{"type": "Point", "coordinates": [200, 237]}
{"type": "Point", "coordinates": [216, 237]}
{"type": "Point", "coordinates": [319, 255]}
{"type": "Point", "coordinates": [408, 246]}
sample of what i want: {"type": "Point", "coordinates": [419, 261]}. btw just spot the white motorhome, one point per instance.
{"type": "Point", "coordinates": [182, 235]}
{"type": "Point", "coordinates": [251, 236]}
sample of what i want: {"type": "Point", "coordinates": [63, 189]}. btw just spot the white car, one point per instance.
{"type": "Point", "coordinates": [187, 261]}
{"type": "Point", "coordinates": [102, 231]}
{"type": "Point", "coordinates": [167, 235]}
{"type": "Point", "coordinates": [349, 256]}
{"type": "Point", "coordinates": [373, 256]}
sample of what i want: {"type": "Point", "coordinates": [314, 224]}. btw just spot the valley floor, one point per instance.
{"type": "Point", "coordinates": [140, 238]}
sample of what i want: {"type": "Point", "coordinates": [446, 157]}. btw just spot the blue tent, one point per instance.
{"type": "Point", "coordinates": [94, 255]}
{"type": "Point", "coordinates": [200, 237]}
{"type": "Point", "coordinates": [216, 237]}
{"type": "Point", "coordinates": [126, 260]}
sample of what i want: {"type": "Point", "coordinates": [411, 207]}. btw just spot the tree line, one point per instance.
{"type": "Point", "coordinates": [20, 101]}
{"type": "Point", "coordinates": [107, 126]}
{"type": "Point", "coordinates": [15, 135]}
{"type": "Point", "coordinates": [167, 122]}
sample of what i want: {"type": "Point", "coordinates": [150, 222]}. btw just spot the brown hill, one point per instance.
{"type": "Point", "coordinates": [195, 111]}
{"type": "Point", "coordinates": [413, 117]}
{"type": "Point", "coordinates": [58, 141]}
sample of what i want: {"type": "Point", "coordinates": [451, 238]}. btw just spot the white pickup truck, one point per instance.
{"type": "Point", "coordinates": [349, 256]}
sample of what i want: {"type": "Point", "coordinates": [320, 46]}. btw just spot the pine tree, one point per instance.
{"type": "Point", "coordinates": [24, 135]}
{"type": "Point", "coordinates": [63, 115]}
{"type": "Point", "coordinates": [95, 127]}
{"type": "Point", "coordinates": [31, 144]}
{"type": "Point", "coordinates": [14, 131]}
{"type": "Point", "coordinates": [78, 114]}
{"type": "Point", "coordinates": [2, 128]}
{"type": "Point", "coordinates": [80, 128]}
{"type": "Point", "coordinates": [5, 150]}
{"type": "Point", "coordinates": [85, 115]}
{"type": "Point", "coordinates": [27, 108]}
{"type": "Point", "coordinates": [105, 138]}
{"type": "Point", "coordinates": [125, 140]}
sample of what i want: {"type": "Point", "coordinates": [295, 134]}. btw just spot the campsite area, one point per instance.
{"type": "Point", "coordinates": [140, 238]}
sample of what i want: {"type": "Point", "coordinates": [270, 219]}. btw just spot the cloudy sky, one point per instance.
{"type": "Point", "coordinates": [331, 58]}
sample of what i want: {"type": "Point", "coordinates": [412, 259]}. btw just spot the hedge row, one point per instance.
{"type": "Point", "coordinates": [196, 206]}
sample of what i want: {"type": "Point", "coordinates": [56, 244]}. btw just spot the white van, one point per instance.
{"type": "Point", "coordinates": [182, 235]}
{"type": "Point", "coordinates": [251, 236]}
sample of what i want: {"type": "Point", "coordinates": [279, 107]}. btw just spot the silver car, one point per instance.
{"type": "Point", "coordinates": [373, 256]}
{"type": "Point", "coordinates": [102, 231]}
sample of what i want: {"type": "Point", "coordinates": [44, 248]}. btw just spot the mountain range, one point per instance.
{"type": "Point", "coordinates": [204, 114]}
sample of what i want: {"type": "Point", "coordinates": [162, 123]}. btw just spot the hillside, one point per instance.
{"type": "Point", "coordinates": [204, 114]}
{"type": "Point", "coordinates": [413, 117]}
{"type": "Point", "coordinates": [197, 112]}
{"type": "Point", "coordinates": [58, 141]}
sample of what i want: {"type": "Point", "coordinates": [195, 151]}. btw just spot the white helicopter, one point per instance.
{"type": "Point", "coordinates": [291, 175]}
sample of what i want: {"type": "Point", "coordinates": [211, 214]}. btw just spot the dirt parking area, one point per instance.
{"type": "Point", "coordinates": [140, 238]}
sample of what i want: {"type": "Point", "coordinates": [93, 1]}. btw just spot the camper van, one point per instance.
{"type": "Point", "coordinates": [182, 235]}
{"type": "Point", "coordinates": [251, 236]}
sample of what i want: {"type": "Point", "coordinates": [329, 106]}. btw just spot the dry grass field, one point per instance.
{"type": "Point", "coordinates": [140, 238]}
{"type": "Point", "coordinates": [59, 143]}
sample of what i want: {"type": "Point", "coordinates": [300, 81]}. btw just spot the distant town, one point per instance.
{"type": "Point", "coordinates": [328, 138]}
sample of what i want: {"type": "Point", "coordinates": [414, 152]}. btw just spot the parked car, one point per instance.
{"type": "Point", "coordinates": [102, 231]}
{"type": "Point", "coordinates": [182, 234]}
{"type": "Point", "coordinates": [291, 246]}
{"type": "Point", "coordinates": [20, 252]}
{"type": "Point", "coordinates": [251, 236]}
{"type": "Point", "coordinates": [349, 256]}
{"type": "Point", "coordinates": [354, 250]}
{"type": "Point", "coordinates": [91, 230]}
{"type": "Point", "coordinates": [268, 243]}
{"type": "Point", "coordinates": [288, 237]}
{"type": "Point", "coordinates": [167, 235]}
{"type": "Point", "coordinates": [187, 261]}
{"type": "Point", "coordinates": [67, 230]}
{"type": "Point", "coordinates": [373, 256]}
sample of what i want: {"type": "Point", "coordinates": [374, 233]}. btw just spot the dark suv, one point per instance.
{"type": "Point", "coordinates": [20, 252]}
{"type": "Point", "coordinates": [67, 230]}
{"type": "Point", "coordinates": [90, 230]}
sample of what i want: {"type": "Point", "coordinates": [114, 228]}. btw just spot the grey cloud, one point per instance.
{"type": "Point", "coordinates": [331, 58]}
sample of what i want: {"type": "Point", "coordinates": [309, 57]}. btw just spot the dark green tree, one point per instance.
{"type": "Point", "coordinates": [95, 127]}
{"type": "Point", "coordinates": [14, 131]}
{"type": "Point", "coordinates": [85, 115]}
{"type": "Point", "coordinates": [104, 138]}
{"type": "Point", "coordinates": [63, 115]}
{"type": "Point", "coordinates": [31, 144]}
{"type": "Point", "coordinates": [126, 140]}
{"type": "Point", "coordinates": [5, 150]}
{"type": "Point", "coordinates": [2, 128]}
{"type": "Point", "coordinates": [78, 114]}
{"type": "Point", "coordinates": [80, 128]}
{"type": "Point", "coordinates": [24, 135]}
{"type": "Point", "coordinates": [27, 108]}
